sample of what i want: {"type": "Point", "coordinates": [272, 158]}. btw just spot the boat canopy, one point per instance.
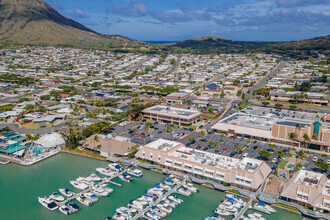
{"type": "Point", "coordinates": [231, 200]}
{"type": "Point", "coordinates": [118, 166]}
{"type": "Point", "coordinates": [157, 186]}
{"type": "Point", "coordinates": [169, 180]}
{"type": "Point", "coordinates": [261, 203]}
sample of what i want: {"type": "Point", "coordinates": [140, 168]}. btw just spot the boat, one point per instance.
{"type": "Point", "coordinates": [184, 192]}
{"type": "Point", "coordinates": [92, 197]}
{"type": "Point", "coordinates": [175, 199]}
{"type": "Point", "coordinates": [160, 213]}
{"type": "Point", "coordinates": [256, 216]}
{"type": "Point", "coordinates": [261, 206]}
{"type": "Point", "coordinates": [148, 198]}
{"type": "Point", "coordinates": [215, 216]}
{"type": "Point", "coordinates": [153, 215]}
{"type": "Point", "coordinates": [93, 177]}
{"type": "Point", "coordinates": [73, 207]}
{"type": "Point", "coordinates": [135, 172]}
{"type": "Point", "coordinates": [165, 208]}
{"type": "Point", "coordinates": [155, 191]}
{"type": "Point", "coordinates": [138, 205]}
{"type": "Point", "coordinates": [115, 166]}
{"type": "Point", "coordinates": [132, 209]}
{"type": "Point", "coordinates": [65, 210]}
{"type": "Point", "coordinates": [105, 172]}
{"type": "Point", "coordinates": [190, 187]}
{"type": "Point", "coordinates": [165, 187]}
{"type": "Point", "coordinates": [48, 203]}
{"type": "Point", "coordinates": [79, 184]}
{"type": "Point", "coordinates": [118, 216]}
{"type": "Point", "coordinates": [106, 188]}
{"type": "Point", "coordinates": [126, 178]}
{"type": "Point", "coordinates": [100, 192]}
{"type": "Point", "coordinates": [172, 204]}
{"type": "Point", "coordinates": [56, 197]}
{"type": "Point", "coordinates": [222, 212]}
{"type": "Point", "coordinates": [66, 192]}
{"type": "Point", "coordinates": [124, 212]}
{"type": "Point", "coordinates": [169, 181]}
{"type": "Point", "coordinates": [83, 200]}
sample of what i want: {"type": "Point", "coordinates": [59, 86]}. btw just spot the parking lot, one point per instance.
{"type": "Point", "coordinates": [213, 142]}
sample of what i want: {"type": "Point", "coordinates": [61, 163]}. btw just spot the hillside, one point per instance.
{"type": "Point", "coordinates": [221, 45]}
{"type": "Point", "coordinates": [34, 22]}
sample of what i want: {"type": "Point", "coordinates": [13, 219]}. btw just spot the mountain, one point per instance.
{"type": "Point", "coordinates": [210, 44]}
{"type": "Point", "coordinates": [34, 22]}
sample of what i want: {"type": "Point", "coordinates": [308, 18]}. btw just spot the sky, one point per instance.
{"type": "Point", "coordinates": [176, 20]}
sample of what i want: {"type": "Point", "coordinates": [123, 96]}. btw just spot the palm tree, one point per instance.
{"type": "Point", "coordinates": [298, 127]}
{"type": "Point", "coordinates": [292, 137]}
{"type": "Point", "coordinates": [306, 138]}
{"type": "Point", "coordinates": [96, 140]}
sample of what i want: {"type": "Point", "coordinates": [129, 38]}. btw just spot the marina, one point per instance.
{"type": "Point", "coordinates": [56, 172]}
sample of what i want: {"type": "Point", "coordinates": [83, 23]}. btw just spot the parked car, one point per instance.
{"type": "Point", "coordinates": [198, 147]}
{"type": "Point", "coordinates": [314, 159]}
{"type": "Point", "coordinates": [255, 147]}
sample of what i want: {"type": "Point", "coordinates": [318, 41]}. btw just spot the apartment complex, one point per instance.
{"type": "Point", "coordinates": [245, 173]}
{"type": "Point", "coordinates": [172, 115]}
{"type": "Point", "coordinates": [309, 189]}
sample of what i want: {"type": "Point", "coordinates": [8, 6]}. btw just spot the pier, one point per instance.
{"type": "Point", "coordinates": [106, 180]}
{"type": "Point", "coordinates": [160, 198]}
{"type": "Point", "coordinates": [243, 210]}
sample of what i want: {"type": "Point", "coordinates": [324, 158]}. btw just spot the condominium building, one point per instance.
{"type": "Point", "coordinates": [245, 173]}
{"type": "Point", "coordinates": [309, 189]}
{"type": "Point", "coordinates": [172, 115]}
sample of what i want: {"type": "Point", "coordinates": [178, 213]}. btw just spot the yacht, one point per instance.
{"type": "Point", "coordinates": [100, 191]}
{"type": "Point", "coordinates": [126, 178]}
{"type": "Point", "coordinates": [73, 207]}
{"type": "Point", "coordinates": [164, 207]}
{"type": "Point", "coordinates": [170, 203]}
{"type": "Point", "coordinates": [222, 212]}
{"type": "Point", "coordinates": [118, 216]}
{"type": "Point", "coordinates": [169, 181]}
{"type": "Point", "coordinates": [106, 188]}
{"type": "Point", "coordinates": [256, 216]}
{"type": "Point", "coordinates": [153, 215]}
{"type": "Point", "coordinates": [92, 197]}
{"type": "Point", "coordinates": [115, 166]}
{"type": "Point", "coordinates": [261, 206]}
{"type": "Point", "coordinates": [215, 216]}
{"type": "Point", "coordinates": [155, 191]}
{"type": "Point", "coordinates": [137, 204]}
{"type": "Point", "coordinates": [83, 200]}
{"type": "Point", "coordinates": [93, 177]}
{"type": "Point", "coordinates": [165, 187]}
{"type": "Point", "coordinates": [105, 172]}
{"type": "Point", "coordinates": [135, 172]}
{"type": "Point", "coordinates": [160, 213]}
{"type": "Point", "coordinates": [190, 187]}
{"type": "Point", "coordinates": [56, 197]}
{"type": "Point", "coordinates": [65, 210]}
{"type": "Point", "coordinates": [184, 192]}
{"type": "Point", "coordinates": [66, 192]}
{"type": "Point", "coordinates": [79, 184]}
{"type": "Point", "coordinates": [132, 209]}
{"type": "Point", "coordinates": [48, 203]}
{"type": "Point", "coordinates": [175, 199]}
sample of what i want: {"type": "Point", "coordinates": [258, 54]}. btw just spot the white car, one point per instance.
{"type": "Point", "coordinates": [314, 159]}
{"type": "Point", "coordinates": [274, 160]}
{"type": "Point", "coordinates": [328, 162]}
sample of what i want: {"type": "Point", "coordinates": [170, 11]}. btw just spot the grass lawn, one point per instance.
{"type": "Point", "coordinates": [297, 168]}
{"type": "Point", "coordinates": [282, 164]}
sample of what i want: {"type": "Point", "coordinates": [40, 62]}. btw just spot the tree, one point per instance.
{"type": "Point", "coordinates": [133, 150]}
{"type": "Point", "coordinates": [265, 103]}
{"type": "Point", "coordinates": [323, 165]}
{"type": "Point", "coordinates": [292, 137]}
{"type": "Point", "coordinates": [306, 138]}
{"type": "Point", "coordinates": [292, 107]}
{"type": "Point", "coordinates": [278, 105]}
{"type": "Point", "coordinates": [280, 154]}
{"type": "Point", "coordinates": [210, 110]}
{"type": "Point", "coordinates": [265, 154]}
{"type": "Point", "coordinates": [96, 140]}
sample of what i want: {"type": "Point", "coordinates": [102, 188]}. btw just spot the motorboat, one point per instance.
{"type": "Point", "coordinates": [184, 192]}
{"type": "Point", "coordinates": [56, 197]}
{"type": "Point", "coordinates": [124, 211]}
{"type": "Point", "coordinates": [142, 200]}
{"type": "Point", "coordinates": [105, 171]}
{"type": "Point", "coordinates": [132, 209]}
{"type": "Point", "coordinates": [100, 192]}
{"type": "Point", "coordinates": [190, 187]}
{"type": "Point", "coordinates": [222, 212]}
{"type": "Point", "coordinates": [73, 207]}
{"type": "Point", "coordinates": [169, 181]}
{"type": "Point", "coordinates": [118, 216]}
{"type": "Point", "coordinates": [126, 178]}
{"type": "Point", "coordinates": [256, 216]}
{"type": "Point", "coordinates": [215, 216]}
{"type": "Point", "coordinates": [66, 192]}
{"type": "Point", "coordinates": [165, 187]}
{"type": "Point", "coordinates": [65, 210]}
{"type": "Point", "coordinates": [106, 188]}
{"type": "Point", "coordinates": [115, 166]}
{"type": "Point", "coordinates": [92, 197]}
{"type": "Point", "coordinates": [175, 199]}
{"type": "Point", "coordinates": [137, 204]}
{"type": "Point", "coordinates": [160, 213]}
{"type": "Point", "coordinates": [151, 214]}
{"type": "Point", "coordinates": [165, 208]}
{"type": "Point", "coordinates": [261, 206]}
{"type": "Point", "coordinates": [148, 198]}
{"type": "Point", "coordinates": [79, 184]}
{"type": "Point", "coordinates": [171, 204]}
{"type": "Point", "coordinates": [48, 203]}
{"type": "Point", "coordinates": [93, 177]}
{"type": "Point", "coordinates": [135, 172]}
{"type": "Point", "coordinates": [155, 191]}
{"type": "Point", "coordinates": [83, 200]}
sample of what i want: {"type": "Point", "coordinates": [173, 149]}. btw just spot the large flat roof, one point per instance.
{"type": "Point", "coordinates": [172, 111]}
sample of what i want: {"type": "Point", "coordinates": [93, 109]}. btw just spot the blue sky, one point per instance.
{"type": "Point", "coordinates": [175, 20]}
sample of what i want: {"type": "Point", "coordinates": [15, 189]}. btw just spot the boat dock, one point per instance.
{"type": "Point", "coordinates": [160, 198]}
{"type": "Point", "coordinates": [5, 162]}
{"type": "Point", "coordinates": [90, 187]}
{"type": "Point", "coordinates": [114, 183]}
{"type": "Point", "coordinates": [243, 210]}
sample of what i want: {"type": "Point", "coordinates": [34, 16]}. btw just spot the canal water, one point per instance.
{"type": "Point", "coordinates": [21, 186]}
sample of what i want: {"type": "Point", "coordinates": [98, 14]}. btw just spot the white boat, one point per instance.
{"type": "Point", "coordinates": [105, 172]}
{"type": "Point", "coordinates": [126, 178]}
{"type": "Point", "coordinates": [184, 192]}
{"type": "Point", "coordinates": [261, 206]}
{"type": "Point", "coordinates": [65, 210]}
{"type": "Point", "coordinates": [160, 213]}
{"type": "Point", "coordinates": [165, 187]}
{"type": "Point", "coordinates": [115, 166]}
{"type": "Point", "coordinates": [256, 216]}
{"type": "Point", "coordinates": [142, 201]}
{"type": "Point", "coordinates": [79, 184]}
{"type": "Point", "coordinates": [148, 198]}
{"type": "Point", "coordinates": [169, 181]}
{"type": "Point", "coordinates": [124, 211]}
{"type": "Point", "coordinates": [155, 191]}
{"type": "Point", "coordinates": [152, 215]}
{"type": "Point", "coordinates": [48, 203]}
{"type": "Point", "coordinates": [164, 207]}
{"type": "Point", "coordinates": [138, 205]}
{"type": "Point", "coordinates": [215, 216]}
{"type": "Point", "coordinates": [100, 192]}
{"type": "Point", "coordinates": [66, 192]}
{"type": "Point", "coordinates": [92, 197]}
{"type": "Point", "coordinates": [93, 177]}
{"type": "Point", "coordinates": [135, 172]}
{"type": "Point", "coordinates": [56, 197]}
{"type": "Point", "coordinates": [118, 216]}
{"type": "Point", "coordinates": [106, 188]}
{"type": "Point", "coordinates": [170, 203]}
{"type": "Point", "coordinates": [190, 187]}
{"type": "Point", "coordinates": [222, 212]}
{"type": "Point", "coordinates": [132, 209]}
{"type": "Point", "coordinates": [83, 200]}
{"type": "Point", "coordinates": [73, 207]}
{"type": "Point", "coordinates": [175, 199]}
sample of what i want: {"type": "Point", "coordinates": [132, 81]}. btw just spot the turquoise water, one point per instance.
{"type": "Point", "coordinates": [21, 186]}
